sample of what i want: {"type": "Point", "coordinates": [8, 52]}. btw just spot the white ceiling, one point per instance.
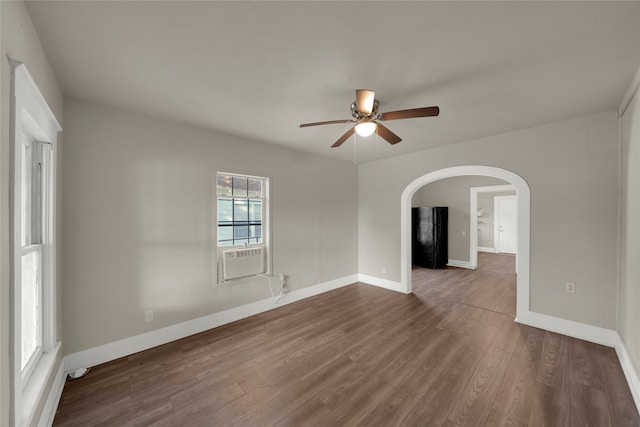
{"type": "Point", "coordinates": [259, 69]}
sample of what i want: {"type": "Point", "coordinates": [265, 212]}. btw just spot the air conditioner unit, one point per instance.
{"type": "Point", "coordinates": [242, 262]}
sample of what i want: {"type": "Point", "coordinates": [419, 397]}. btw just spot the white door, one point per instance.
{"type": "Point", "coordinates": [506, 224]}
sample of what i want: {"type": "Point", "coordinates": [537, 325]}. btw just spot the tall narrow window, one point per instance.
{"type": "Point", "coordinates": [241, 209]}
{"type": "Point", "coordinates": [35, 347]}
{"type": "Point", "coordinates": [35, 183]}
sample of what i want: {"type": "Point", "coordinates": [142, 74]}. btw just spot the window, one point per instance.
{"type": "Point", "coordinates": [34, 158]}
{"type": "Point", "coordinates": [35, 348]}
{"type": "Point", "coordinates": [241, 209]}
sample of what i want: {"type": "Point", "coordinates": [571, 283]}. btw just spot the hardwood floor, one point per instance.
{"type": "Point", "coordinates": [447, 355]}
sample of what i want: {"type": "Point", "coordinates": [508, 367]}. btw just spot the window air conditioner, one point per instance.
{"type": "Point", "coordinates": [242, 262]}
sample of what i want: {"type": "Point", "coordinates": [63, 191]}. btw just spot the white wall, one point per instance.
{"type": "Point", "coordinates": [454, 193]}
{"type": "Point", "coordinates": [139, 221]}
{"type": "Point", "coordinates": [19, 41]}
{"type": "Point", "coordinates": [629, 306]}
{"type": "Point", "coordinates": [572, 170]}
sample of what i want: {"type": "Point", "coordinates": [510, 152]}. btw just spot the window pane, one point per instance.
{"type": "Point", "coordinates": [27, 173]}
{"type": "Point", "coordinates": [225, 211]}
{"type": "Point", "coordinates": [255, 187]}
{"type": "Point", "coordinates": [239, 187]}
{"type": "Point", "coordinates": [240, 210]}
{"type": "Point", "coordinates": [255, 210]}
{"type": "Point", "coordinates": [255, 231]}
{"type": "Point", "coordinates": [30, 306]}
{"type": "Point", "coordinates": [241, 232]}
{"type": "Point", "coordinates": [224, 185]}
{"type": "Point", "coordinates": [225, 234]}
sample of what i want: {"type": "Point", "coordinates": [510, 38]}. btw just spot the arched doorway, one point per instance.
{"type": "Point", "coordinates": [524, 217]}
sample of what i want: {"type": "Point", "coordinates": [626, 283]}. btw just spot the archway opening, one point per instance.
{"type": "Point", "coordinates": [524, 216]}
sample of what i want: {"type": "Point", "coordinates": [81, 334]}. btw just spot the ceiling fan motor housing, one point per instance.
{"type": "Point", "coordinates": [357, 114]}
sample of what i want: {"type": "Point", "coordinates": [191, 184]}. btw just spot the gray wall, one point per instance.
{"type": "Point", "coordinates": [20, 41]}
{"type": "Point", "coordinates": [139, 221]}
{"type": "Point", "coordinates": [572, 169]}
{"type": "Point", "coordinates": [454, 193]}
{"type": "Point", "coordinates": [629, 317]}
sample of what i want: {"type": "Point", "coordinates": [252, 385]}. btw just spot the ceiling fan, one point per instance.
{"type": "Point", "coordinates": [367, 118]}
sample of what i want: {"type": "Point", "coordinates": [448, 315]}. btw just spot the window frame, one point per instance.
{"type": "Point", "coordinates": [35, 233]}
{"type": "Point", "coordinates": [265, 224]}
{"type": "Point", "coordinates": [31, 116]}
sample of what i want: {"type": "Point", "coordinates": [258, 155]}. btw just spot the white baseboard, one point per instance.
{"type": "Point", "coordinates": [460, 264]}
{"type": "Point", "coordinates": [127, 346]}
{"type": "Point", "coordinates": [381, 283]}
{"type": "Point", "coordinates": [629, 369]}
{"type": "Point", "coordinates": [107, 352]}
{"type": "Point", "coordinates": [487, 249]}
{"type": "Point", "coordinates": [594, 334]}
{"type": "Point", "coordinates": [53, 399]}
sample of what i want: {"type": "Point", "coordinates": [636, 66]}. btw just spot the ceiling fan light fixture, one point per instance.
{"type": "Point", "coordinates": [366, 119]}
{"type": "Point", "coordinates": [366, 128]}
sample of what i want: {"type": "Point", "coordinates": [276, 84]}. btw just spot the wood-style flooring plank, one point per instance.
{"type": "Point", "coordinates": [475, 403]}
{"type": "Point", "coordinates": [621, 406]}
{"type": "Point", "coordinates": [449, 355]}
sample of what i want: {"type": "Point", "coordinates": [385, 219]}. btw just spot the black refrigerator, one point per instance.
{"type": "Point", "coordinates": [429, 237]}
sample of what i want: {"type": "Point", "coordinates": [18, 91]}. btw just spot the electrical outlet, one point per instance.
{"type": "Point", "coordinates": [570, 287]}
{"type": "Point", "coordinates": [384, 269]}
{"type": "Point", "coordinates": [463, 232]}
{"type": "Point", "coordinates": [148, 316]}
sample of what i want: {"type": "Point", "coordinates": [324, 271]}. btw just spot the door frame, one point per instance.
{"type": "Point", "coordinates": [473, 219]}
{"type": "Point", "coordinates": [524, 226]}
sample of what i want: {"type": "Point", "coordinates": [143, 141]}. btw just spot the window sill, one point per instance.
{"type": "Point", "coordinates": [34, 389]}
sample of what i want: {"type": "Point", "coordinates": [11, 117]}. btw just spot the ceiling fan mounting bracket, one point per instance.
{"type": "Point", "coordinates": [358, 115]}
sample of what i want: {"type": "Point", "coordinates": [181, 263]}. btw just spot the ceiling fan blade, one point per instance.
{"type": "Point", "coordinates": [343, 138]}
{"type": "Point", "coordinates": [410, 114]}
{"type": "Point", "coordinates": [364, 99]}
{"type": "Point", "coordinates": [330, 122]}
{"type": "Point", "coordinates": [385, 133]}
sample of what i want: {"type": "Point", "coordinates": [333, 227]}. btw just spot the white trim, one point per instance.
{"type": "Point", "coordinates": [34, 390]}
{"type": "Point", "coordinates": [485, 249]}
{"type": "Point", "coordinates": [30, 114]}
{"type": "Point", "coordinates": [111, 351]}
{"type": "Point", "coordinates": [524, 227]}
{"type": "Point", "coordinates": [629, 369]}
{"type": "Point", "coordinates": [460, 264]}
{"type": "Point", "coordinates": [107, 352]}
{"type": "Point", "coordinates": [473, 219]}
{"type": "Point", "coordinates": [626, 362]}
{"type": "Point", "coordinates": [53, 399]}
{"type": "Point", "coordinates": [594, 334]}
{"type": "Point", "coordinates": [381, 283]}
{"type": "Point", "coordinates": [39, 113]}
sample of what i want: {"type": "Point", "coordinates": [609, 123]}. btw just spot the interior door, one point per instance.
{"type": "Point", "coordinates": [506, 223]}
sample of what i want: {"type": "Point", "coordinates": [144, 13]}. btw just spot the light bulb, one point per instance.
{"type": "Point", "coordinates": [366, 128]}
